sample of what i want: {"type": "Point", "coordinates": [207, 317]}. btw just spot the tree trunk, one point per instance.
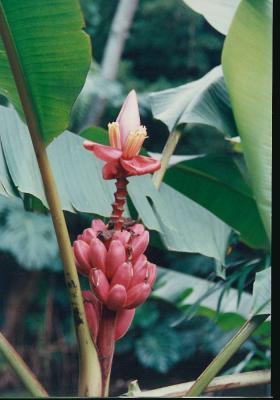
{"type": "Point", "coordinates": [112, 55]}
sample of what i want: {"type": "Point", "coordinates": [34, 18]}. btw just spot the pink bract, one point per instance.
{"type": "Point", "coordinates": [126, 138]}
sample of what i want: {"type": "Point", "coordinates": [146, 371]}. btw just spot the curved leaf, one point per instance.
{"type": "Point", "coordinates": [185, 290]}
{"type": "Point", "coordinates": [215, 182]}
{"type": "Point", "coordinates": [219, 13]}
{"type": "Point", "coordinates": [54, 56]}
{"type": "Point", "coordinates": [262, 293]}
{"type": "Point", "coordinates": [204, 101]}
{"type": "Point", "coordinates": [189, 228]}
{"type": "Point", "coordinates": [247, 65]}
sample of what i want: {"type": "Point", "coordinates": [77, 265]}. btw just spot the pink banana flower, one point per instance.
{"type": "Point", "coordinates": [126, 137]}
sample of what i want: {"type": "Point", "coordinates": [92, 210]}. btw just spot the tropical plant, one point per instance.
{"type": "Point", "coordinates": [225, 198]}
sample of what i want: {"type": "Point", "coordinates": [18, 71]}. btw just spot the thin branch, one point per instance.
{"type": "Point", "coordinates": [168, 150]}
{"type": "Point", "coordinates": [220, 383]}
{"type": "Point", "coordinates": [21, 369]}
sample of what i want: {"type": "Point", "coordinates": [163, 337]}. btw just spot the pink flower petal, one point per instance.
{"type": "Point", "coordinates": [129, 118]}
{"type": "Point", "coordinates": [140, 165]}
{"type": "Point", "coordinates": [105, 153]}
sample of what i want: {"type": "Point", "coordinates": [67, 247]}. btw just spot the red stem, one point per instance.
{"type": "Point", "coordinates": [118, 205]}
{"type": "Point", "coordinates": [106, 344]}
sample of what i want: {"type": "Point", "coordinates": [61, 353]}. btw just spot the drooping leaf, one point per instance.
{"type": "Point", "coordinates": [204, 101]}
{"type": "Point", "coordinates": [205, 294]}
{"type": "Point", "coordinates": [262, 292]}
{"type": "Point", "coordinates": [215, 182]}
{"type": "Point", "coordinates": [28, 236]}
{"type": "Point", "coordinates": [184, 225]}
{"type": "Point", "coordinates": [247, 65]}
{"type": "Point", "coordinates": [53, 54]}
{"type": "Point", "coordinates": [219, 13]}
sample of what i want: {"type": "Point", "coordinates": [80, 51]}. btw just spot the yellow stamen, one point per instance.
{"type": "Point", "coordinates": [134, 142]}
{"type": "Point", "coordinates": [114, 135]}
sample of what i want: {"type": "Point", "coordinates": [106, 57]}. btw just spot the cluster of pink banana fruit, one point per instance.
{"type": "Point", "coordinates": [120, 276]}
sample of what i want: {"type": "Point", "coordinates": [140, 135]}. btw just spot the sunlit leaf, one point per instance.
{"type": "Point", "coordinates": [262, 292]}
{"type": "Point", "coordinates": [247, 65]}
{"type": "Point", "coordinates": [54, 56]}
{"type": "Point", "coordinates": [204, 101]}
{"type": "Point", "coordinates": [219, 13]}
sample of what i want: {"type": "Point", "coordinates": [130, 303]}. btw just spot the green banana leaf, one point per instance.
{"type": "Point", "coordinates": [183, 224]}
{"type": "Point", "coordinates": [247, 65]}
{"type": "Point", "coordinates": [204, 101]}
{"type": "Point", "coordinates": [215, 182]}
{"type": "Point", "coordinates": [53, 54]}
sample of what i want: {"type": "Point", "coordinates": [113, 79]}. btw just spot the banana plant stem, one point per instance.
{"type": "Point", "coordinates": [228, 351]}
{"type": "Point", "coordinates": [89, 373]}
{"type": "Point", "coordinates": [167, 152]}
{"type": "Point", "coordinates": [219, 383]}
{"type": "Point", "coordinates": [22, 370]}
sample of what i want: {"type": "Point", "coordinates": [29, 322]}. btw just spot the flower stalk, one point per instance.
{"type": "Point", "coordinates": [111, 256]}
{"type": "Point", "coordinates": [89, 371]}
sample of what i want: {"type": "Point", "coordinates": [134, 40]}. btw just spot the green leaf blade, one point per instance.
{"type": "Point", "coordinates": [247, 65]}
{"type": "Point", "coordinates": [215, 182]}
{"type": "Point", "coordinates": [54, 56]}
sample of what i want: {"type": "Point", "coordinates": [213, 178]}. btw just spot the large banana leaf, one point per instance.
{"type": "Point", "coordinates": [53, 54]}
{"type": "Point", "coordinates": [219, 13]}
{"type": "Point", "coordinates": [184, 225]}
{"type": "Point", "coordinates": [204, 101]}
{"type": "Point", "coordinates": [247, 65]}
{"type": "Point", "coordinates": [215, 182]}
